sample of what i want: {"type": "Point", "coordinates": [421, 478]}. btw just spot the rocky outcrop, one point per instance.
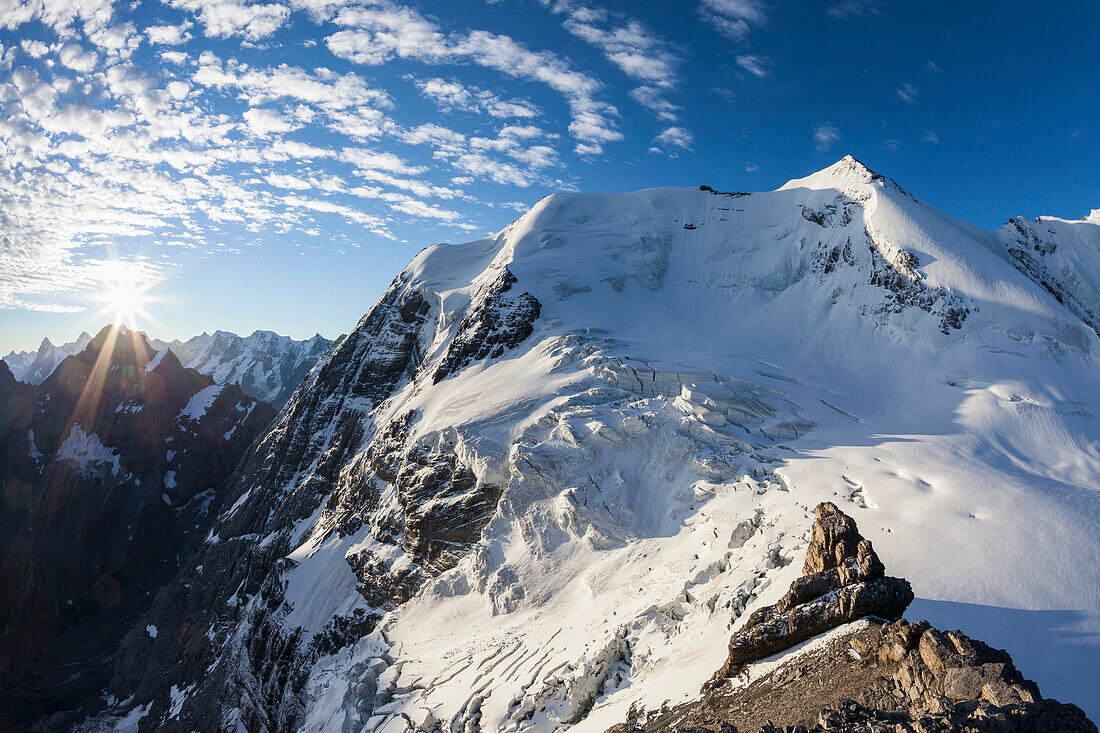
{"type": "Point", "coordinates": [869, 674]}
{"type": "Point", "coordinates": [842, 581]}
{"type": "Point", "coordinates": [223, 615]}
{"type": "Point", "coordinates": [894, 270]}
{"type": "Point", "coordinates": [494, 322]}
{"type": "Point", "coordinates": [1028, 251]}
{"type": "Point", "coordinates": [402, 509]}
{"type": "Point", "coordinates": [445, 507]}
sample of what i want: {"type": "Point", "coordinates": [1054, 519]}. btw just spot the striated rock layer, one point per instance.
{"type": "Point", "coordinates": [872, 672]}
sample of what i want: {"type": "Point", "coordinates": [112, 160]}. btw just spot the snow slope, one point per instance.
{"type": "Point", "coordinates": [658, 386]}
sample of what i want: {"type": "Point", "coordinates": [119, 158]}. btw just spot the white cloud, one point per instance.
{"type": "Point", "coordinates": [826, 136]}
{"type": "Point", "coordinates": [733, 18]}
{"type": "Point", "coordinates": [446, 93]}
{"type": "Point", "coordinates": [280, 180]}
{"type": "Point", "coordinates": [266, 122]}
{"type": "Point", "coordinates": [177, 89]}
{"type": "Point", "coordinates": [675, 137]}
{"type": "Point", "coordinates": [930, 136]}
{"type": "Point", "coordinates": [755, 65]}
{"type": "Point", "coordinates": [58, 14]}
{"type": "Point", "coordinates": [374, 160]}
{"type": "Point", "coordinates": [77, 58]}
{"type": "Point", "coordinates": [908, 93]}
{"type": "Point", "coordinates": [640, 54]}
{"type": "Point", "coordinates": [37, 49]}
{"type": "Point", "coordinates": [169, 35]}
{"type": "Point", "coordinates": [453, 95]}
{"type": "Point", "coordinates": [654, 100]}
{"type": "Point", "coordinates": [630, 46]}
{"type": "Point", "coordinates": [118, 41]}
{"type": "Point", "coordinates": [385, 31]}
{"type": "Point", "coordinates": [221, 18]}
{"type": "Point", "coordinates": [322, 87]}
{"type": "Point", "coordinates": [331, 207]}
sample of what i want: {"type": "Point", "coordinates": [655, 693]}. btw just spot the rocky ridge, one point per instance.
{"type": "Point", "coordinates": [264, 365]}
{"type": "Point", "coordinates": [868, 670]}
{"type": "Point", "coordinates": [32, 367]}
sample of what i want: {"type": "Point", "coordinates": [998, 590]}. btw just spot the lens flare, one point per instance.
{"type": "Point", "coordinates": [123, 301]}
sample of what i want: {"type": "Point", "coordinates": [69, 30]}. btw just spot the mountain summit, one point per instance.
{"type": "Point", "coordinates": [551, 469]}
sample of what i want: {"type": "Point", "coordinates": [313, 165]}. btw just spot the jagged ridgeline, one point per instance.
{"type": "Point", "coordinates": [551, 471]}
{"type": "Point", "coordinates": [264, 365]}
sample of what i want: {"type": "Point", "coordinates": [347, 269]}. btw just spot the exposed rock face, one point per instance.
{"type": "Point", "coordinates": [495, 321]}
{"type": "Point", "coordinates": [445, 507]}
{"type": "Point", "coordinates": [1029, 251]}
{"type": "Point", "coordinates": [113, 468]}
{"type": "Point", "coordinates": [842, 581]}
{"type": "Point", "coordinates": [236, 585]}
{"type": "Point", "coordinates": [870, 675]}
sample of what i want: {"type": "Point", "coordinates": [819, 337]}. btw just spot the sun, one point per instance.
{"type": "Point", "coordinates": [124, 301]}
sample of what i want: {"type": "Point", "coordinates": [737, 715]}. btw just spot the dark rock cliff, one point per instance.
{"type": "Point", "coordinates": [112, 473]}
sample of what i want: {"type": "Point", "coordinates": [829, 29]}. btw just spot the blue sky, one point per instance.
{"type": "Point", "coordinates": [274, 164]}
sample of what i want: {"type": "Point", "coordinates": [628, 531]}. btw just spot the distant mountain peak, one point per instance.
{"type": "Point", "coordinates": [267, 365]}
{"type": "Point", "coordinates": [846, 172]}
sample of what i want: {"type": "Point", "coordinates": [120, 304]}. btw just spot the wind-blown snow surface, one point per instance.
{"type": "Point", "coordinates": [703, 370]}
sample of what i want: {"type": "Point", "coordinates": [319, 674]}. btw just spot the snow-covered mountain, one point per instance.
{"type": "Point", "coordinates": [33, 367]}
{"type": "Point", "coordinates": [112, 470]}
{"type": "Point", "coordinates": [550, 470]}
{"type": "Point", "coordinates": [266, 365]}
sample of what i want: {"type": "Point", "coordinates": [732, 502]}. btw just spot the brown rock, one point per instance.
{"type": "Point", "coordinates": [1001, 694]}
{"type": "Point", "coordinates": [936, 653]}
{"type": "Point", "coordinates": [966, 683]}
{"type": "Point", "coordinates": [834, 538]}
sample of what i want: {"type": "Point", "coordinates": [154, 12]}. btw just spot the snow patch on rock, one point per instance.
{"type": "Point", "coordinates": [86, 451]}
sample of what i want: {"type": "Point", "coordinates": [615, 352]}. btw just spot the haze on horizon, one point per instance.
{"type": "Point", "coordinates": [242, 165]}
